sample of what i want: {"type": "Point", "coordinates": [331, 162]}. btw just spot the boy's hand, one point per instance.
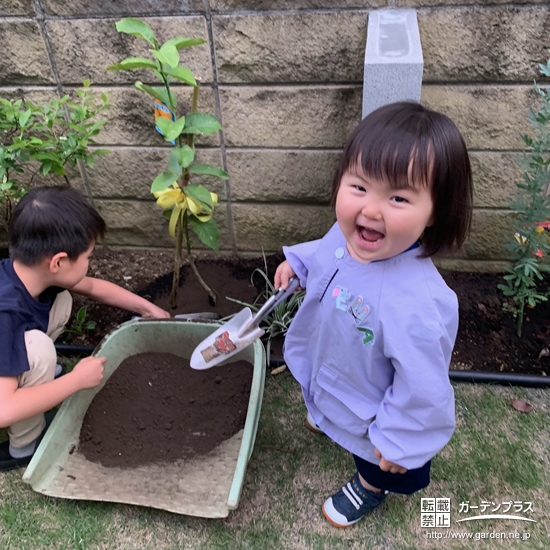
{"type": "Point", "coordinates": [155, 312]}
{"type": "Point", "coordinates": [387, 466]}
{"type": "Point", "coordinates": [282, 275]}
{"type": "Point", "coordinates": [114, 295]}
{"type": "Point", "coordinates": [88, 372]}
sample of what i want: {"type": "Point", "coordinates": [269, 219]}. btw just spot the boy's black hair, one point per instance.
{"type": "Point", "coordinates": [407, 144]}
{"type": "Point", "coordinates": [49, 220]}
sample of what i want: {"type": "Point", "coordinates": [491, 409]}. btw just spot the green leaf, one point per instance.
{"type": "Point", "coordinates": [173, 100]}
{"type": "Point", "coordinates": [58, 169]}
{"type": "Point", "coordinates": [46, 156]}
{"type": "Point", "coordinates": [174, 163]}
{"type": "Point", "coordinates": [135, 27]}
{"type": "Point", "coordinates": [46, 167]}
{"type": "Point", "coordinates": [171, 130]}
{"type": "Point", "coordinates": [153, 92]}
{"type": "Point", "coordinates": [183, 74]}
{"type": "Point", "coordinates": [186, 155]}
{"type": "Point", "coordinates": [171, 54]}
{"type": "Point", "coordinates": [164, 124]}
{"type": "Point", "coordinates": [201, 123]}
{"type": "Point", "coordinates": [18, 145]}
{"type": "Point", "coordinates": [81, 314]}
{"type": "Point", "coordinates": [527, 140]}
{"type": "Point", "coordinates": [101, 152]}
{"type": "Point", "coordinates": [207, 232]}
{"type": "Point", "coordinates": [131, 63]}
{"type": "Point", "coordinates": [181, 42]}
{"type": "Point", "coordinates": [158, 93]}
{"type": "Point", "coordinates": [163, 181]}
{"type": "Point", "coordinates": [24, 117]}
{"type": "Point", "coordinates": [160, 56]}
{"type": "Point", "coordinates": [208, 170]}
{"type": "Point", "coordinates": [200, 193]}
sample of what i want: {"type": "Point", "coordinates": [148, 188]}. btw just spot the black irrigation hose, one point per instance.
{"type": "Point", "coordinates": [528, 380]}
{"type": "Point", "coordinates": [505, 379]}
{"type": "Point", "coordinates": [73, 350]}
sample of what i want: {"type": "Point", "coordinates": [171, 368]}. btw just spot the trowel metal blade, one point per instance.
{"type": "Point", "coordinates": [224, 342]}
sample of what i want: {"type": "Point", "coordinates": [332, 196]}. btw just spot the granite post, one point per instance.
{"type": "Point", "coordinates": [393, 59]}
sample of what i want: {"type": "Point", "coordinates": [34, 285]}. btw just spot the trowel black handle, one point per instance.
{"type": "Point", "coordinates": [280, 296]}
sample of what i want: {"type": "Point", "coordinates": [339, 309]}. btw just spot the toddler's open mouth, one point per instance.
{"type": "Point", "coordinates": [368, 236]}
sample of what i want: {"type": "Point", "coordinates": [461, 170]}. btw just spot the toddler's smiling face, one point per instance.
{"type": "Point", "coordinates": [379, 221]}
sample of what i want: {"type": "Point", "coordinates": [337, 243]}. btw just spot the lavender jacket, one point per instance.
{"type": "Point", "coordinates": [371, 346]}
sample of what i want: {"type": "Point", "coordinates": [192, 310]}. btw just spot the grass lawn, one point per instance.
{"type": "Point", "coordinates": [496, 456]}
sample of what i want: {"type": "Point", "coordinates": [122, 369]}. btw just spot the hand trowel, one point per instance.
{"type": "Point", "coordinates": [238, 333]}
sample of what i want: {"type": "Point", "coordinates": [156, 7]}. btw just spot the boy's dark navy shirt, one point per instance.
{"type": "Point", "coordinates": [19, 312]}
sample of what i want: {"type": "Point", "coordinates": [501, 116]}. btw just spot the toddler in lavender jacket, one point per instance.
{"type": "Point", "coordinates": [372, 342]}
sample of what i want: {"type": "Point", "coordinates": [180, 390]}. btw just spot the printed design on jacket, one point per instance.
{"type": "Point", "coordinates": [368, 335]}
{"type": "Point", "coordinates": [356, 307]}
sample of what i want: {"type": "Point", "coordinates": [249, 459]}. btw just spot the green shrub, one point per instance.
{"type": "Point", "coordinates": [529, 244]}
{"type": "Point", "coordinates": [42, 139]}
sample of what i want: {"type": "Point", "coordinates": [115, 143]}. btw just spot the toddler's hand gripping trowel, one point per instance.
{"type": "Point", "coordinates": [238, 333]}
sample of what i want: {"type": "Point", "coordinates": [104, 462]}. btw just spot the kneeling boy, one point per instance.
{"type": "Point", "coordinates": [52, 235]}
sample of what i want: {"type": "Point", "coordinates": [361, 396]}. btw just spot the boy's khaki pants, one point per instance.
{"type": "Point", "coordinates": [42, 360]}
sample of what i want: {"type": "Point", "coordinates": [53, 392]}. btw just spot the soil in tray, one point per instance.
{"type": "Point", "coordinates": [156, 408]}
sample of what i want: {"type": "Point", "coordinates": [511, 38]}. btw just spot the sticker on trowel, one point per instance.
{"type": "Point", "coordinates": [222, 344]}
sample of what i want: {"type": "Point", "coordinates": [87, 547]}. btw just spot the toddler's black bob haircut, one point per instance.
{"type": "Point", "coordinates": [49, 220]}
{"type": "Point", "coordinates": [406, 144]}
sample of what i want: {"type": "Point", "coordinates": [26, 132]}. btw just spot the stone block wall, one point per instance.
{"type": "Point", "coordinates": [285, 79]}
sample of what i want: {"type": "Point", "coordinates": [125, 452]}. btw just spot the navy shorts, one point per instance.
{"type": "Point", "coordinates": [407, 483]}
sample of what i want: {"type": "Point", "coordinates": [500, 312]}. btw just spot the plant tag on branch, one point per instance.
{"type": "Point", "coordinates": [162, 111]}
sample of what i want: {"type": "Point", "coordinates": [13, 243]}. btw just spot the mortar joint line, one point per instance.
{"type": "Point", "coordinates": [215, 90]}
{"type": "Point", "coordinates": [40, 20]}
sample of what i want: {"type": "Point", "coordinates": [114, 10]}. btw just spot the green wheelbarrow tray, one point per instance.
{"type": "Point", "coordinates": [207, 486]}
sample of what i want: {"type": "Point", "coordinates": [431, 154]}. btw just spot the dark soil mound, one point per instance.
{"type": "Point", "coordinates": [487, 337]}
{"type": "Point", "coordinates": [150, 277]}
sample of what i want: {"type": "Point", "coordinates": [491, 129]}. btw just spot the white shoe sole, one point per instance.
{"type": "Point", "coordinates": [334, 517]}
{"type": "Point", "coordinates": [311, 425]}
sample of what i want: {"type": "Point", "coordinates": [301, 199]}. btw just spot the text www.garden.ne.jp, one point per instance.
{"type": "Point", "coordinates": [477, 536]}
